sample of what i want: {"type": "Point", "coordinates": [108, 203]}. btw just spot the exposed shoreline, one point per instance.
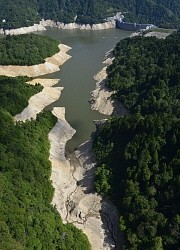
{"type": "Point", "coordinates": [51, 65]}
{"type": "Point", "coordinates": [71, 26]}
{"type": "Point", "coordinates": [74, 196]}
{"type": "Point", "coordinates": [73, 177]}
{"type": "Point", "coordinates": [22, 30]}
{"type": "Point", "coordinates": [50, 23]}
{"type": "Point", "coordinates": [159, 35]}
{"type": "Point", "coordinates": [40, 100]}
{"type": "Point", "coordinates": [101, 97]}
{"type": "Point", "coordinates": [108, 24]}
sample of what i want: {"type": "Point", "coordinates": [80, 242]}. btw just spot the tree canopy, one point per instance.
{"type": "Point", "coordinates": [27, 218]}
{"type": "Point", "coordinates": [145, 74]}
{"type": "Point", "coordinates": [27, 12]}
{"type": "Point", "coordinates": [138, 155]}
{"type": "Point", "coordinates": [28, 49]}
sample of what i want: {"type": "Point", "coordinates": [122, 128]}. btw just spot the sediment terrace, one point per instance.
{"type": "Point", "coordinates": [51, 65]}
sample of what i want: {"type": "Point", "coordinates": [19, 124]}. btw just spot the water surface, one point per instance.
{"type": "Point", "coordinates": [88, 51]}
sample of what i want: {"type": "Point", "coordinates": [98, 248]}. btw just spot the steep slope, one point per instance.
{"type": "Point", "coordinates": [138, 155]}
{"type": "Point", "coordinates": [15, 14]}
{"type": "Point", "coordinates": [27, 218]}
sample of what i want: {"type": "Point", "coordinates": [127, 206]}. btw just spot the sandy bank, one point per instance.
{"type": "Point", "coordinates": [61, 176]}
{"type": "Point", "coordinates": [160, 35]}
{"type": "Point", "coordinates": [51, 65]}
{"type": "Point", "coordinates": [44, 82]}
{"type": "Point", "coordinates": [101, 99]}
{"type": "Point", "coordinates": [42, 99]}
{"type": "Point", "coordinates": [87, 210]}
{"type": "Point", "coordinates": [73, 179]}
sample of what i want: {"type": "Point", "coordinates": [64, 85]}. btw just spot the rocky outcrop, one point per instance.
{"type": "Point", "coordinates": [74, 198]}
{"type": "Point", "coordinates": [23, 30]}
{"type": "Point", "coordinates": [51, 65]}
{"type": "Point", "coordinates": [50, 23]}
{"type": "Point", "coordinates": [97, 217]}
{"type": "Point", "coordinates": [101, 97]}
{"type": "Point", "coordinates": [61, 176]}
{"type": "Point", "coordinates": [42, 99]}
{"type": "Point", "coordinates": [100, 26]}
{"type": "Point", "coordinates": [73, 177]}
{"type": "Point", "coordinates": [108, 24]}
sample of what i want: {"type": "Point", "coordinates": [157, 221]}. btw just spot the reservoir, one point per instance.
{"type": "Point", "coordinates": [76, 75]}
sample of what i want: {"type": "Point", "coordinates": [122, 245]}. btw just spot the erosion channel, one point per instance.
{"type": "Point", "coordinates": [73, 168]}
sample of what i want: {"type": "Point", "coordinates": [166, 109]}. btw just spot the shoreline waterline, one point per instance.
{"type": "Point", "coordinates": [87, 53]}
{"type": "Point", "coordinates": [50, 65]}
{"type": "Point", "coordinates": [43, 24]}
{"type": "Point", "coordinates": [73, 174]}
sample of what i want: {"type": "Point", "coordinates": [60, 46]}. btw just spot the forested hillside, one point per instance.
{"type": "Point", "coordinates": [145, 74]}
{"type": "Point", "coordinates": [17, 13]}
{"type": "Point", "coordinates": [27, 220]}
{"type": "Point", "coordinates": [28, 49]}
{"type": "Point", "coordinates": [138, 155]}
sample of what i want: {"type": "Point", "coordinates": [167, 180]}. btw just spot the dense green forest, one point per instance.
{"type": "Point", "coordinates": [17, 13]}
{"type": "Point", "coordinates": [146, 74]}
{"type": "Point", "coordinates": [28, 49]}
{"type": "Point", "coordinates": [27, 220]}
{"type": "Point", "coordinates": [15, 93]}
{"type": "Point", "coordinates": [138, 155]}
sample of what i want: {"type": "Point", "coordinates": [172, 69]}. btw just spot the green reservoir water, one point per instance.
{"type": "Point", "coordinates": [88, 51]}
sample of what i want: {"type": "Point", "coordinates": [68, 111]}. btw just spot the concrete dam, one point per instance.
{"type": "Point", "coordinates": [132, 26]}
